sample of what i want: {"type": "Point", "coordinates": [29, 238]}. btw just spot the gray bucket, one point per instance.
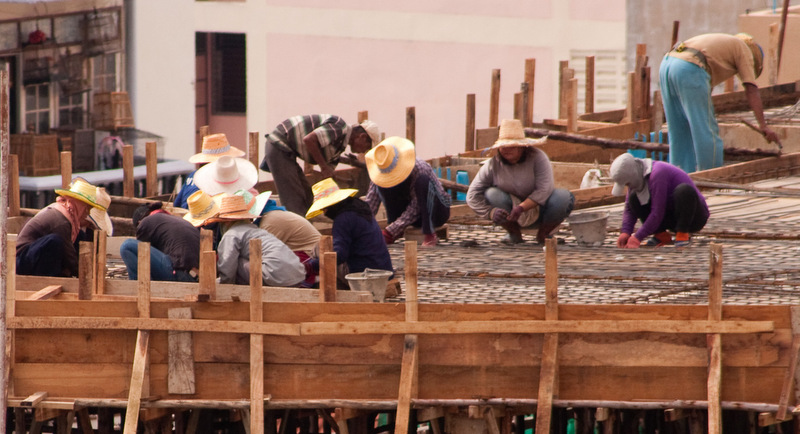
{"type": "Point", "coordinates": [589, 228]}
{"type": "Point", "coordinates": [371, 280]}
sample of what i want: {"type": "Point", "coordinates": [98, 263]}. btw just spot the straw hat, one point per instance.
{"type": "Point", "coordinates": [201, 208]}
{"type": "Point", "coordinates": [758, 52]}
{"type": "Point", "coordinates": [100, 216]}
{"type": "Point", "coordinates": [512, 134]}
{"type": "Point", "coordinates": [226, 175]}
{"type": "Point", "coordinates": [81, 190]}
{"type": "Point", "coordinates": [327, 193]}
{"type": "Point", "coordinates": [372, 131]}
{"type": "Point", "coordinates": [234, 207]}
{"type": "Point", "coordinates": [260, 200]}
{"type": "Point", "coordinates": [215, 146]}
{"type": "Point", "coordinates": [391, 161]}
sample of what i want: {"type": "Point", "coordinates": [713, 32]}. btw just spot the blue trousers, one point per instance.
{"type": "Point", "coordinates": [161, 267]}
{"type": "Point", "coordinates": [554, 211]}
{"type": "Point", "coordinates": [694, 141]}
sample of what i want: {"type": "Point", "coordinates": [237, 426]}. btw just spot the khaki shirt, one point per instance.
{"type": "Point", "coordinates": [726, 55]}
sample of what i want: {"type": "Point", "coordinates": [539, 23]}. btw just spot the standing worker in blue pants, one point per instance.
{"type": "Point", "coordinates": [687, 75]}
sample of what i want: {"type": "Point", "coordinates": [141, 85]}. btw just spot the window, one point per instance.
{"type": "Point", "coordinates": [71, 111]}
{"type": "Point", "coordinates": [228, 76]}
{"type": "Point", "coordinates": [610, 78]}
{"type": "Point", "coordinates": [104, 73]}
{"type": "Point", "coordinates": [37, 108]}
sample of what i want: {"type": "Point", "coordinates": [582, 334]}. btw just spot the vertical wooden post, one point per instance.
{"type": "Point", "coordinates": [494, 99]}
{"type": "Point", "coordinates": [127, 170]}
{"type": "Point", "coordinates": [589, 96]}
{"type": "Point", "coordinates": [203, 132]}
{"type": "Point", "coordinates": [12, 187]}
{"type": "Point", "coordinates": [208, 275]}
{"type": "Point", "coordinates": [572, 105]}
{"type": "Point", "coordinates": [657, 117]}
{"type": "Point", "coordinates": [327, 277]}
{"type": "Point", "coordinates": [530, 76]}
{"type": "Point", "coordinates": [563, 67]}
{"type": "Point", "coordinates": [411, 124]}
{"type": "Point", "coordinates": [151, 166]}
{"type": "Point", "coordinates": [772, 53]}
{"type": "Point", "coordinates": [9, 304]}
{"type": "Point", "coordinates": [100, 239]}
{"type": "Point", "coordinates": [256, 345]}
{"type": "Point", "coordinates": [66, 169]}
{"type": "Point", "coordinates": [714, 386]}
{"type": "Point", "coordinates": [548, 376]}
{"type": "Point", "coordinates": [629, 108]}
{"type": "Point", "coordinates": [469, 143]}
{"type": "Point", "coordinates": [675, 26]}
{"type": "Point", "coordinates": [5, 131]}
{"type": "Point", "coordinates": [206, 240]}
{"type": "Point", "coordinates": [363, 116]}
{"type": "Point", "coordinates": [85, 270]}
{"type": "Point", "coordinates": [790, 379]}
{"type": "Point", "coordinates": [523, 104]}
{"type": "Point", "coordinates": [143, 297]}
{"type": "Point", "coordinates": [410, 361]}
{"type": "Point", "coordinates": [518, 106]}
{"type": "Point", "coordinates": [138, 382]}
{"type": "Point", "coordinates": [252, 148]}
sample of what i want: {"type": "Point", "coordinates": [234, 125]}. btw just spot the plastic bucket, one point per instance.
{"type": "Point", "coordinates": [371, 280]}
{"type": "Point", "coordinates": [589, 228]}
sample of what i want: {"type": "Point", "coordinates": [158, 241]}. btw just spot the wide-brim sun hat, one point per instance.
{"type": "Point", "coordinates": [226, 175]}
{"type": "Point", "coordinates": [327, 193]}
{"type": "Point", "coordinates": [201, 208]}
{"type": "Point", "coordinates": [261, 200]}
{"type": "Point", "coordinates": [99, 216]}
{"type": "Point", "coordinates": [756, 50]}
{"type": "Point", "coordinates": [372, 131]}
{"type": "Point", "coordinates": [390, 163]}
{"type": "Point", "coordinates": [81, 190]}
{"type": "Point", "coordinates": [234, 207]}
{"type": "Point", "coordinates": [512, 134]}
{"type": "Point", "coordinates": [215, 146]}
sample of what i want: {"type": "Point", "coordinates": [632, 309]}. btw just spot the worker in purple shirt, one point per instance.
{"type": "Point", "coordinates": [662, 196]}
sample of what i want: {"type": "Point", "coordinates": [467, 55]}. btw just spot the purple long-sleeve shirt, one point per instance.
{"type": "Point", "coordinates": [662, 181]}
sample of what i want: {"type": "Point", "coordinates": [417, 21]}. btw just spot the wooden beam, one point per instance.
{"type": "Point", "coordinates": [137, 382]}
{"type": "Point", "coordinates": [208, 275]}
{"type": "Point", "coordinates": [45, 293]}
{"type": "Point", "coordinates": [12, 187]}
{"type": "Point", "coordinates": [408, 383]}
{"type": "Point", "coordinates": [589, 88]}
{"type": "Point", "coordinates": [66, 169]}
{"type": "Point", "coordinates": [85, 270]}
{"type": "Point", "coordinates": [530, 78]}
{"type": "Point", "coordinates": [33, 400]}
{"type": "Point", "coordinates": [494, 99]}
{"type": "Point", "coordinates": [469, 142]}
{"type": "Point", "coordinates": [256, 345]}
{"type": "Point", "coordinates": [411, 124]}
{"type": "Point", "coordinates": [327, 277]}
{"type": "Point", "coordinates": [252, 148]}
{"type": "Point", "coordinates": [143, 296]}
{"type": "Point", "coordinates": [715, 340]}
{"type": "Point", "coordinates": [412, 303]}
{"type": "Point", "coordinates": [548, 373]}
{"type": "Point", "coordinates": [151, 166]}
{"type": "Point", "coordinates": [100, 265]}
{"type": "Point", "coordinates": [572, 105]}
{"type": "Point", "coordinates": [790, 379]}
{"type": "Point", "coordinates": [195, 325]}
{"type": "Point", "coordinates": [127, 171]}
{"type": "Point", "coordinates": [180, 372]}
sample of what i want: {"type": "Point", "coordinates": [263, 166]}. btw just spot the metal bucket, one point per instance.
{"type": "Point", "coordinates": [589, 228]}
{"type": "Point", "coordinates": [371, 280]}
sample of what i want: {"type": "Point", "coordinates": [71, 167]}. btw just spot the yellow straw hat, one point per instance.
{"type": "Point", "coordinates": [327, 193]}
{"type": "Point", "coordinates": [512, 134]}
{"type": "Point", "coordinates": [83, 191]}
{"type": "Point", "coordinates": [390, 163]}
{"type": "Point", "coordinates": [201, 208]}
{"type": "Point", "coordinates": [215, 146]}
{"type": "Point", "coordinates": [99, 216]}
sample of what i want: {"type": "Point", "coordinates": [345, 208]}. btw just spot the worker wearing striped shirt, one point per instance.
{"type": "Point", "coordinates": [317, 139]}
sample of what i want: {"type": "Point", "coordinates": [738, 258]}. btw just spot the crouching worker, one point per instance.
{"type": "Point", "coordinates": [174, 244]}
{"type": "Point", "coordinates": [357, 238]}
{"type": "Point", "coordinates": [660, 195]}
{"type": "Point", "coordinates": [279, 265]}
{"type": "Point", "coordinates": [516, 189]}
{"type": "Point", "coordinates": [48, 243]}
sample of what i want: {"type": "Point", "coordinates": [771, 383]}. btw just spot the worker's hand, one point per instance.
{"type": "Point", "coordinates": [623, 240]}
{"type": "Point", "coordinates": [387, 237]}
{"type": "Point", "coordinates": [327, 171]}
{"type": "Point", "coordinates": [633, 243]}
{"type": "Point", "coordinates": [515, 213]}
{"type": "Point", "coordinates": [772, 136]}
{"type": "Point", "coordinates": [499, 216]}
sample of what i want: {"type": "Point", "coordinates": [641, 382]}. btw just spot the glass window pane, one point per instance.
{"type": "Point", "coordinates": [44, 123]}
{"type": "Point", "coordinates": [27, 27]}
{"type": "Point", "coordinates": [30, 122]}
{"type": "Point", "coordinates": [44, 96]}
{"type": "Point", "coordinates": [30, 97]}
{"type": "Point", "coordinates": [68, 29]}
{"type": "Point", "coordinates": [8, 36]}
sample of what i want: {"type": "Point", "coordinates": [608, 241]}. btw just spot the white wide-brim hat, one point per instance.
{"type": "Point", "coordinates": [226, 175]}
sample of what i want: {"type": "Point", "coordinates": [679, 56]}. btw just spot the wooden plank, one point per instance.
{"type": "Point", "coordinates": [66, 169]}
{"type": "Point", "coordinates": [256, 345]}
{"type": "Point", "coordinates": [100, 265]}
{"type": "Point", "coordinates": [181, 356]}
{"type": "Point", "coordinates": [137, 382]}
{"type": "Point", "coordinates": [548, 372]}
{"type": "Point", "coordinates": [143, 295]}
{"type": "Point", "coordinates": [412, 302]}
{"type": "Point", "coordinates": [85, 270]}
{"type": "Point", "coordinates": [408, 384]}
{"type": "Point", "coordinates": [494, 99]}
{"type": "Point", "coordinates": [151, 166]}
{"type": "Point", "coordinates": [589, 88]}
{"type": "Point", "coordinates": [252, 148]}
{"type": "Point", "coordinates": [790, 380]}
{"type": "Point", "coordinates": [327, 277]}
{"type": "Point", "coordinates": [411, 124]}
{"type": "Point", "coordinates": [208, 275]}
{"type": "Point", "coordinates": [572, 105]}
{"type": "Point", "coordinates": [530, 78]}
{"type": "Point", "coordinates": [469, 143]}
{"type": "Point", "coordinates": [127, 171]}
{"type": "Point", "coordinates": [45, 293]}
{"type": "Point", "coordinates": [33, 400]}
{"type": "Point", "coordinates": [715, 340]}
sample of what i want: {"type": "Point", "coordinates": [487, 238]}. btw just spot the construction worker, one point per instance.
{"type": "Point", "coordinates": [317, 139]}
{"type": "Point", "coordinates": [687, 75]}
{"type": "Point", "coordinates": [662, 196]}
{"type": "Point", "coordinates": [515, 188]}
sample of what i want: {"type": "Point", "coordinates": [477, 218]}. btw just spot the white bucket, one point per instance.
{"type": "Point", "coordinates": [371, 280]}
{"type": "Point", "coordinates": [589, 228]}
